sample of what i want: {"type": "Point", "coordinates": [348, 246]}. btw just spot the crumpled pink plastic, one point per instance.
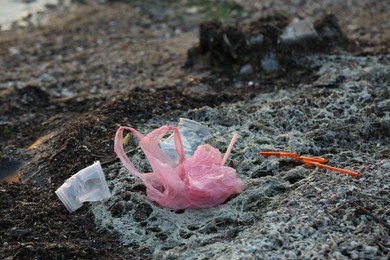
{"type": "Point", "coordinates": [200, 181]}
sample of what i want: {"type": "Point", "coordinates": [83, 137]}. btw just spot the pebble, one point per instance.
{"type": "Point", "coordinates": [297, 30]}
{"type": "Point", "coordinates": [13, 51]}
{"type": "Point", "coordinates": [46, 77]}
{"type": "Point", "coordinates": [354, 255]}
{"type": "Point", "coordinates": [386, 166]}
{"type": "Point", "coordinates": [256, 40]}
{"type": "Point", "coordinates": [311, 231]}
{"type": "Point", "coordinates": [93, 90]}
{"type": "Point", "coordinates": [354, 243]}
{"type": "Point", "coordinates": [5, 244]}
{"type": "Point", "coordinates": [30, 247]}
{"type": "Point", "coordinates": [18, 232]}
{"type": "Point", "coordinates": [178, 82]}
{"type": "Point", "coordinates": [271, 214]}
{"type": "Point", "coordinates": [50, 6]}
{"type": "Point", "coordinates": [270, 63]}
{"type": "Point", "coordinates": [370, 249]}
{"type": "Point", "coordinates": [246, 69]}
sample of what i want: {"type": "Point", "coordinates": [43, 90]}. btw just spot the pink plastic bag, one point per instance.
{"type": "Point", "coordinates": [201, 181]}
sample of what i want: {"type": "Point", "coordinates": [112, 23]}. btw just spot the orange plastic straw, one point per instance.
{"type": "Point", "coordinates": [316, 161]}
{"type": "Point", "coordinates": [295, 156]}
{"type": "Point", "coordinates": [352, 173]}
{"type": "Point", "coordinates": [312, 159]}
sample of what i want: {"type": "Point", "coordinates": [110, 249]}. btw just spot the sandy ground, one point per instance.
{"type": "Point", "coordinates": [65, 87]}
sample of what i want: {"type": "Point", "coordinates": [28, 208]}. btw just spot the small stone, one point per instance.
{"type": "Point", "coordinates": [18, 232]}
{"type": "Point", "coordinates": [256, 40]}
{"type": "Point", "coordinates": [297, 30]}
{"type": "Point", "coordinates": [13, 51]}
{"type": "Point", "coordinates": [324, 247]}
{"type": "Point", "coordinates": [311, 231]}
{"type": "Point", "coordinates": [370, 249]}
{"type": "Point", "coordinates": [93, 90]}
{"type": "Point", "coordinates": [354, 255]}
{"type": "Point", "coordinates": [386, 166]}
{"type": "Point", "coordinates": [271, 214]}
{"type": "Point", "coordinates": [95, 245]}
{"type": "Point", "coordinates": [354, 243]}
{"type": "Point", "coordinates": [352, 188]}
{"type": "Point", "coordinates": [246, 69]}
{"type": "Point", "coordinates": [26, 16]}
{"type": "Point", "coordinates": [46, 77]}
{"type": "Point", "coordinates": [50, 6]}
{"type": "Point", "coordinates": [270, 63]}
{"type": "Point", "coordinates": [5, 244]}
{"type": "Point", "coordinates": [384, 105]}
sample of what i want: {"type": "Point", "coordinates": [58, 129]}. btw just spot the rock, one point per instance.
{"type": "Point", "coordinates": [386, 166]}
{"type": "Point", "coordinates": [14, 51]}
{"type": "Point", "coordinates": [270, 63]}
{"type": "Point", "coordinates": [370, 249]}
{"type": "Point", "coordinates": [271, 214]}
{"type": "Point", "coordinates": [298, 30]}
{"type": "Point", "coordinates": [19, 233]}
{"type": "Point", "coordinates": [246, 69]}
{"type": "Point", "coordinates": [255, 40]}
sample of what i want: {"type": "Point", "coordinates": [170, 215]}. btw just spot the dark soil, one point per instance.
{"type": "Point", "coordinates": [67, 86]}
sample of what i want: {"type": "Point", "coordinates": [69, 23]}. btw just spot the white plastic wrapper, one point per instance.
{"type": "Point", "coordinates": [89, 184]}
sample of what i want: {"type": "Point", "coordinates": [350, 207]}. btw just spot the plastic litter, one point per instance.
{"type": "Point", "coordinates": [200, 181]}
{"type": "Point", "coordinates": [89, 184]}
{"type": "Point", "coordinates": [316, 161]}
{"type": "Point", "coordinates": [192, 135]}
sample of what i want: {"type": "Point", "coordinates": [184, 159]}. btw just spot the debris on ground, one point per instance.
{"type": "Point", "coordinates": [316, 161]}
{"type": "Point", "coordinates": [192, 134]}
{"type": "Point", "coordinates": [200, 181]}
{"type": "Point", "coordinates": [89, 184]}
{"type": "Point", "coordinates": [287, 209]}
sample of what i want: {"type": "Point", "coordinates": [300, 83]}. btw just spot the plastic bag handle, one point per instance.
{"type": "Point", "coordinates": [178, 143]}
{"type": "Point", "coordinates": [118, 145]}
{"type": "Point", "coordinates": [118, 148]}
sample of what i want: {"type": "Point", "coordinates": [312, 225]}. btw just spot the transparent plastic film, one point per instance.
{"type": "Point", "coordinates": [89, 184]}
{"type": "Point", "coordinates": [192, 135]}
